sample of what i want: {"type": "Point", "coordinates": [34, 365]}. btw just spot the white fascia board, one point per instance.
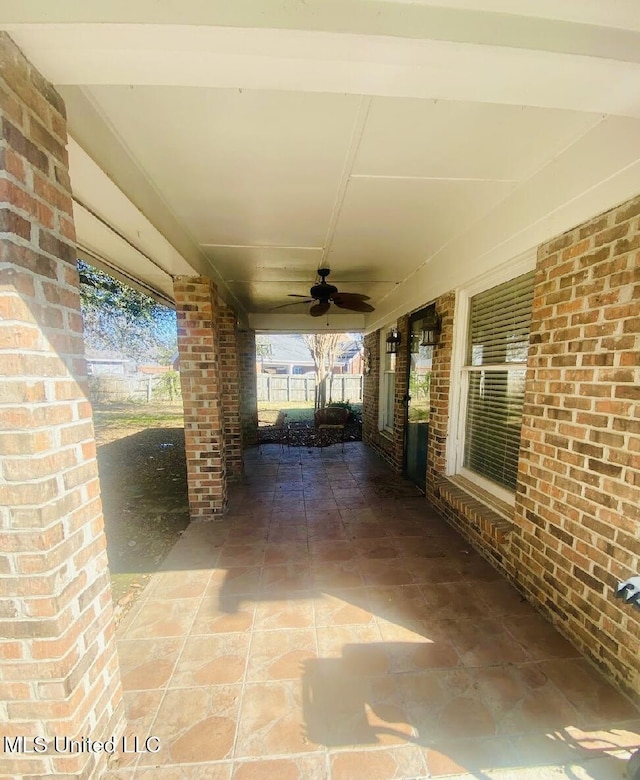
{"type": "Point", "coordinates": [96, 193]}
{"type": "Point", "coordinates": [495, 20]}
{"type": "Point", "coordinates": [128, 199]}
{"type": "Point", "coordinates": [99, 245]}
{"type": "Point", "coordinates": [600, 80]}
{"type": "Point", "coordinates": [115, 234]}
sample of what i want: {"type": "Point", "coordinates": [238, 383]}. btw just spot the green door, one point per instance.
{"type": "Point", "coordinates": [418, 404]}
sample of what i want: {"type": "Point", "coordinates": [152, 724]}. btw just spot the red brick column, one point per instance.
{"type": "Point", "coordinates": [578, 500]}
{"type": "Point", "coordinates": [230, 389]}
{"type": "Point", "coordinates": [248, 385]}
{"type": "Point", "coordinates": [201, 381]}
{"type": "Point", "coordinates": [60, 674]}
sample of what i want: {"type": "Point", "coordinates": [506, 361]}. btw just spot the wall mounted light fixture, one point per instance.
{"type": "Point", "coordinates": [431, 326]}
{"type": "Point", "coordinates": [393, 341]}
{"type": "Point", "coordinates": [366, 360]}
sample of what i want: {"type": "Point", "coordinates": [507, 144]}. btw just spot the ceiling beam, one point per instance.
{"type": "Point", "coordinates": [221, 57]}
{"type": "Point", "coordinates": [595, 29]}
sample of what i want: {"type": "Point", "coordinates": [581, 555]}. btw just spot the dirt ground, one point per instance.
{"type": "Point", "coordinates": [143, 478]}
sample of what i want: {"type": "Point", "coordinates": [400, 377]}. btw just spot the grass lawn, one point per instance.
{"type": "Point", "coordinates": [296, 411]}
{"type": "Point", "coordinates": [112, 418]}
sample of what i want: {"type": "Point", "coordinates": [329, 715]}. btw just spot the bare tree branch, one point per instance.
{"type": "Point", "coordinates": [325, 350]}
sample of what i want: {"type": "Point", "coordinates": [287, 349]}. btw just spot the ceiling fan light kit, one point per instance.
{"type": "Point", "coordinates": [323, 290]}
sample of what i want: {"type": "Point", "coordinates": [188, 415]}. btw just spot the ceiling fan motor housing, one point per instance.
{"type": "Point", "coordinates": [323, 291]}
{"type": "Point", "coordinates": [325, 294]}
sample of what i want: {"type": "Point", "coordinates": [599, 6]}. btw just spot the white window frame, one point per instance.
{"type": "Point", "coordinates": [460, 372]}
{"type": "Point", "coordinates": [382, 398]}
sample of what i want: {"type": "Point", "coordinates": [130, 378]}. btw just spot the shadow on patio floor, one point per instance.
{"type": "Point", "coordinates": [333, 626]}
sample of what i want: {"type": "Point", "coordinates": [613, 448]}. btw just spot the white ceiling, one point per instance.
{"type": "Point", "coordinates": [412, 146]}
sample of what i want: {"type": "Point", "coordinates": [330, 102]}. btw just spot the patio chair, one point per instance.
{"type": "Point", "coordinates": [328, 419]}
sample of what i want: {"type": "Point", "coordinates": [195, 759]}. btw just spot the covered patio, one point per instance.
{"type": "Point", "coordinates": [336, 627]}
{"type": "Point", "coordinates": [465, 174]}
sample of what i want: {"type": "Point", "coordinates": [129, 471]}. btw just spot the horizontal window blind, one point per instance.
{"type": "Point", "coordinates": [494, 419]}
{"type": "Point", "coordinates": [499, 325]}
{"type": "Point", "coordinates": [390, 390]}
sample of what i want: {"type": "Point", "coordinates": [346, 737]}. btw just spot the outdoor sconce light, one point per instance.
{"type": "Point", "coordinates": [629, 591]}
{"type": "Point", "coordinates": [366, 360]}
{"type": "Point", "coordinates": [393, 341]}
{"type": "Point", "coordinates": [431, 325]}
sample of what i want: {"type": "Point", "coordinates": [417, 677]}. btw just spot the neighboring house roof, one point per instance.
{"type": "Point", "coordinates": [350, 349]}
{"type": "Point", "coordinates": [289, 349]}
{"type": "Point", "coordinates": [292, 349]}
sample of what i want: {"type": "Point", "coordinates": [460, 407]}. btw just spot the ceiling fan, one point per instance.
{"type": "Point", "coordinates": [324, 294]}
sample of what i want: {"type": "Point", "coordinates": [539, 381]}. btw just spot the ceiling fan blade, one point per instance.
{"type": "Point", "coordinates": [319, 309]}
{"type": "Point", "coordinates": [350, 297]}
{"type": "Point", "coordinates": [294, 295]}
{"type": "Point", "coordinates": [293, 303]}
{"type": "Point", "coordinates": [353, 304]}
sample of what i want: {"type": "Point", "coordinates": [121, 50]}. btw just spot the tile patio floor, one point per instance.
{"type": "Point", "coordinates": [333, 626]}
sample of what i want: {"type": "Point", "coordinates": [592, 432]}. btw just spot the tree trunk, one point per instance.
{"type": "Point", "coordinates": [321, 390]}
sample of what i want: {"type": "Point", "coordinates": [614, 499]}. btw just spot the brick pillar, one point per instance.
{"type": "Point", "coordinates": [230, 389]}
{"type": "Point", "coordinates": [248, 385]}
{"type": "Point", "coordinates": [200, 378]}
{"type": "Point", "coordinates": [59, 664]}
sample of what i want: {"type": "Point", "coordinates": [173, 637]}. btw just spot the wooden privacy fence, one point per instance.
{"type": "Point", "coordinates": [280, 388]}
{"type": "Point", "coordinates": [113, 388]}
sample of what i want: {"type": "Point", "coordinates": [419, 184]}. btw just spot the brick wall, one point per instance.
{"type": "Point", "coordinates": [440, 387]}
{"type": "Point", "coordinates": [401, 391]}
{"type": "Point", "coordinates": [578, 501]}
{"type": "Point", "coordinates": [230, 388]}
{"type": "Point", "coordinates": [576, 525]}
{"type": "Point", "coordinates": [200, 377]}
{"type": "Point", "coordinates": [59, 665]}
{"type": "Point", "coordinates": [390, 446]}
{"type": "Point", "coordinates": [371, 397]}
{"type": "Point", "coordinates": [485, 528]}
{"type": "Point", "coordinates": [248, 385]}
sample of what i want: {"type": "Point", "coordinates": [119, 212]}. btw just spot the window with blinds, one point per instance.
{"type": "Point", "coordinates": [499, 323]}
